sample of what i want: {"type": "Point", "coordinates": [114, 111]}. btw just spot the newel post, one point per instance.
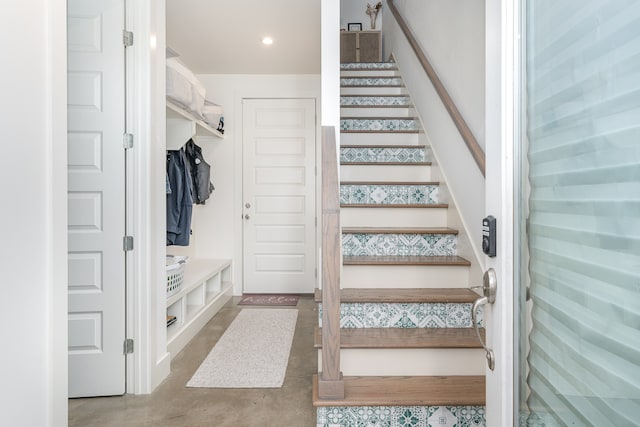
{"type": "Point", "coordinates": [330, 381]}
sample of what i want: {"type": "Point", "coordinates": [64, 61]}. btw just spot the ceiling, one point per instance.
{"type": "Point", "coordinates": [224, 37]}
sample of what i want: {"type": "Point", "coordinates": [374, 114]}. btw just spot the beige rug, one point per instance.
{"type": "Point", "coordinates": [252, 353]}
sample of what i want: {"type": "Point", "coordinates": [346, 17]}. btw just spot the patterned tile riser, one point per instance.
{"type": "Point", "coordinates": [366, 81]}
{"type": "Point", "coordinates": [401, 416]}
{"type": "Point", "coordinates": [405, 315]}
{"type": "Point", "coordinates": [367, 65]}
{"type": "Point", "coordinates": [389, 194]}
{"type": "Point", "coordinates": [536, 420]}
{"type": "Point", "coordinates": [370, 244]}
{"type": "Point", "coordinates": [375, 100]}
{"type": "Point", "coordinates": [385, 154]}
{"type": "Point", "coordinates": [379, 124]}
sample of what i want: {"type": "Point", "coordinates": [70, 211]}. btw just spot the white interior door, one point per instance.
{"type": "Point", "coordinates": [279, 194]}
{"type": "Point", "coordinates": [96, 202]}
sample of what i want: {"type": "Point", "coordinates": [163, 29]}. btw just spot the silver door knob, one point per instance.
{"type": "Point", "coordinates": [247, 216]}
{"type": "Point", "coordinates": [247, 205]}
{"type": "Point", "coordinates": [489, 288]}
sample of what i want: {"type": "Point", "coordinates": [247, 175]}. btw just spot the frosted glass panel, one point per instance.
{"type": "Point", "coordinates": [580, 319]}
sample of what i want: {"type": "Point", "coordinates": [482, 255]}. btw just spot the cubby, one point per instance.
{"type": "Point", "coordinates": [205, 289]}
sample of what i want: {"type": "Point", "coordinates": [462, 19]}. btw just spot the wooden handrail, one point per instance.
{"type": "Point", "coordinates": [330, 382]}
{"type": "Point", "coordinates": [472, 144]}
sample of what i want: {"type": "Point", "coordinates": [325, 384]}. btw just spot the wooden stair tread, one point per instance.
{"type": "Point", "coordinates": [378, 106]}
{"type": "Point", "coordinates": [399, 230]}
{"type": "Point", "coordinates": [380, 131]}
{"type": "Point", "coordinates": [385, 163]}
{"type": "Point", "coordinates": [463, 390]}
{"type": "Point", "coordinates": [371, 86]}
{"type": "Point", "coordinates": [389, 183]}
{"type": "Point", "coordinates": [388, 205]}
{"type": "Point", "coordinates": [404, 295]}
{"type": "Point", "coordinates": [405, 260]}
{"type": "Point", "coordinates": [377, 338]}
{"type": "Point", "coordinates": [368, 69]}
{"type": "Point", "coordinates": [372, 76]}
{"type": "Point", "coordinates": [369, 96]}
{"type": "Point", "coordinates": [378, 118]}
{"type": "Point", "coordinates": [383, 146]}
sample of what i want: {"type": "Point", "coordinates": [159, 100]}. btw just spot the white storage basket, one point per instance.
{"type": "Point", "coordinates": [175, 274]}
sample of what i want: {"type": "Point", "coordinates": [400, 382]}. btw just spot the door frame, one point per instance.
{"type": "Point", "coordinates": [502, 59]}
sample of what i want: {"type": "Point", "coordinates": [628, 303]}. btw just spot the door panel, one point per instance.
{"type": "Point", "coordinates": [279, 195]}
{"type": "Point", "coordinates": [96, 197]}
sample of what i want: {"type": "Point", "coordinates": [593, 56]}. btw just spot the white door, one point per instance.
{"type": "Point", "coordinates": [96, 221]}
{"type": "Point", "coordinates": [500, 117]}
{"type": "Point", "coordinates": [279, 195]}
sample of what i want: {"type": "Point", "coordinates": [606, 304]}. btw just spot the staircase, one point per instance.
{"type": "Point", "coordinates": [408, 351]}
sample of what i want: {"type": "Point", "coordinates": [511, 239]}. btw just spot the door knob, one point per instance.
{"type": "Point", "coordinates": [247, 205]}
{"type": "Point", "coordinates": [247, 216]}
{"type": "Point", "coordinates": [489, 289]}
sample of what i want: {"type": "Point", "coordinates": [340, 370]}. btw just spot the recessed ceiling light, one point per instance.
{"type": "Point", "coordinates": [267, 40]}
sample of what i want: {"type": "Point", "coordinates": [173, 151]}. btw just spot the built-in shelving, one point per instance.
{"type": "Point", "coordinates": [206, 288]}
{"type": "Point", "coordinates": [182, 125]}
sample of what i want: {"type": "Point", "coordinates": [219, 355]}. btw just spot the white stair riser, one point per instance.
{"type": "Point", "coordinates": [373, 90]}
{"type": "Point", "coordinates": [401, 362]}
{"type": "Point", "coordinates": [376, 112]}
{"type": "Point", "coordinates": [379, 138]}
{"type": "Point", "coordinates": [369, 73]}
{"type": "Point", "coordinates": [415, 276]}
{"type": "Point", "coordinates": [391, 173]}
{"type": "Point", "coordinates": [396, 217]}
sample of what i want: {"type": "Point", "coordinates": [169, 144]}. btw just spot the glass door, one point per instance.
{"type": "Point", "coordinates": [578, 215]}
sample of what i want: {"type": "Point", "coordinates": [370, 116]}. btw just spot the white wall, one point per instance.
{"type": "Point", "coordinates": [33, 265]}
{"type": "Point", "coordinates": [218, 225]}
{"type": "Point", "coordinates": [451, 33]}
{"type": "Point", "coordinates": [355, 11]}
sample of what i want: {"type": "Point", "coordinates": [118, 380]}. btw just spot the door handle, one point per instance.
{"type": "Point", "coordinates": [247, 216]}
{"type": "Point", "coordinates": [489, 289]}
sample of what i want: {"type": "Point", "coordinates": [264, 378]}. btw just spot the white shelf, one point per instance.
{"type": "Point", "coordinates": [196, 271]}
{"type": "Point", "coordinates": [206, 288]}
{"type": "Point", "coordinates": [182, 124]}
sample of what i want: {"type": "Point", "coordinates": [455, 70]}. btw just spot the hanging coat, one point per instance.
{"type": "Point", "coordinates": [200, 173]}
{"type": "Point", "coordinates": [179, 200]}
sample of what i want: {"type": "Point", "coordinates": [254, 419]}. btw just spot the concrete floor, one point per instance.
{"type": "Point", "coordinates": [172, 404]}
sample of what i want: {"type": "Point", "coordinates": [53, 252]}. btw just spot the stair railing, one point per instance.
{"type": "Point", "coordinates": [330, 381]}
{"type": "Point", "coordinates": [472, 143]}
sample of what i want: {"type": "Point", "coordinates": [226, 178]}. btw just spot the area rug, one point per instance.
{"type": "Point", "coordinates": [269, 299]}
{"type": "Point", "coordinates": [252, 353]}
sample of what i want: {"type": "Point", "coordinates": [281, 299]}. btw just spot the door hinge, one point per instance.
{"type": "Point", "coordinates": [127, 243]}
{"type": "Point", "coordinates": [128, 346]}
{"type": "Point", "coordinates": [316, 220]}
{"type": "Point", "coordinates": [316, 272]}
{"type": "Point", "coordinates": [127, 38]}
{"type": "Point", "coordinates": [127, 141]}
